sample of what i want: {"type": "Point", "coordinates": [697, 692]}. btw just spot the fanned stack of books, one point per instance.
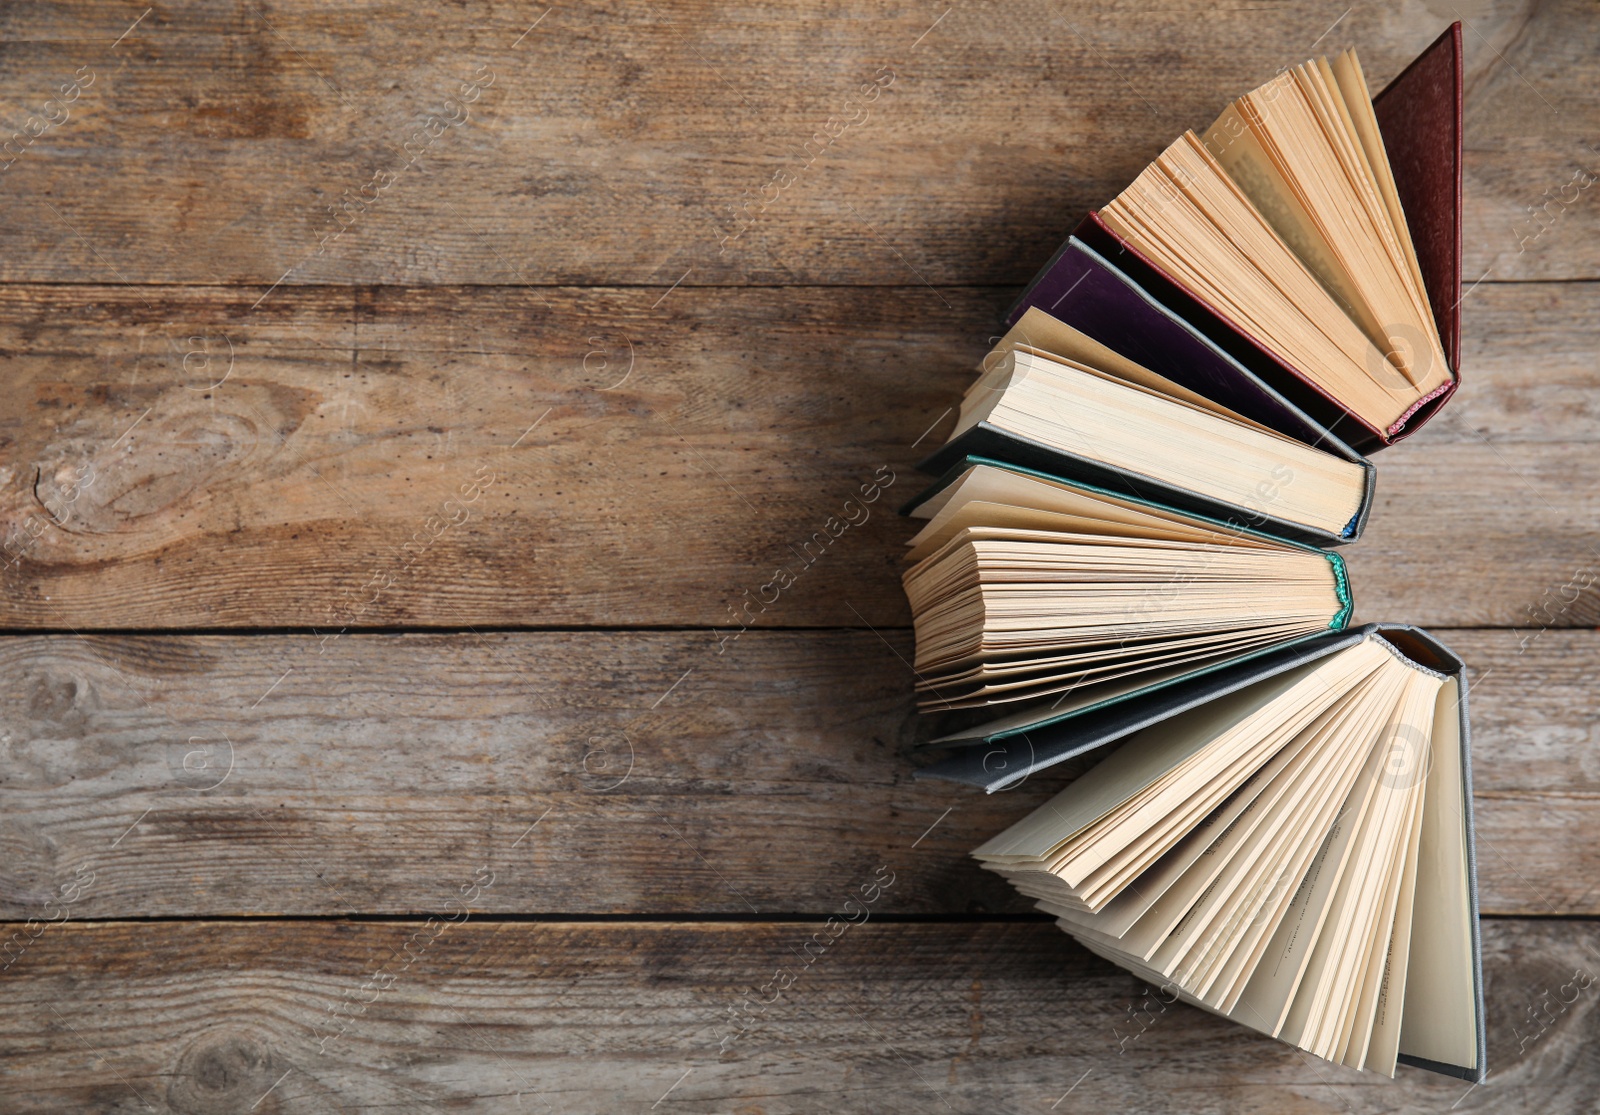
{"type": "Point", "coordinates": [1131, 542]}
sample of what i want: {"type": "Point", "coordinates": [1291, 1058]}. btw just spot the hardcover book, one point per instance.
{"type": "Point", "coordinates": [1313, 235]}
{"type": "Point", "coordinates": [1295, 854]}
{"type": "Point", "coordinates": [1054, 598]}
{"type": "Point", "coordinates": [1054, 399]}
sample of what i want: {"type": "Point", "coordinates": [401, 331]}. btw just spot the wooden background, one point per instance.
{"type": "Point", "coordinates": [372, 730]}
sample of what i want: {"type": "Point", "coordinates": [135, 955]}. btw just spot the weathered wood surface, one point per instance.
{"type": "Point", "coordinates": [202, 776]}
{"type": "Point", "coordinates": [219, 414]}
{"type": "Point", "coordinates": [616, 143]}
{"type": "Point", "coordinates": [210, 1017]}
{"type": "Point", "coordinates": [651, 459]}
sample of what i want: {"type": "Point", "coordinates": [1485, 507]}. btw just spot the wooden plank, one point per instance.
{"type": "Point", "coordinates": [695, 141]}
{"type": "Point", "coordinates": [286, 775]}
{"type": "Point", "coordinates": [1531, 164]}
{"type": "Point", "coordinates": [323, 485]}
{"type": "Point", "coordinates": [603, 772]}
{"type": "Point", "coordinates": [288, 1017]}
{"type": "Point", "coordinates": [647, 461]}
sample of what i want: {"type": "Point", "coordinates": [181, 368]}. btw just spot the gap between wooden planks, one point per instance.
{"type": "Point", "coordinates": [376, 458]}
{"type": "Point", "coordinates": [612, 144]}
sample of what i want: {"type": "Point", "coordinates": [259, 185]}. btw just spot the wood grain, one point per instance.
{"type": "Point", "coordinates": [618, 144]}
{"type": "Point", "coordinates": [651, 460]}
{"type": "Point", "coordinates": [287, 347]}
{"type": "Point", "coordinates": [605, 773]}
{"type": "Point", "coordinates": [289, 1017]}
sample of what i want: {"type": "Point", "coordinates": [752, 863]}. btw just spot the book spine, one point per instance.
{"type": "Point", "coordinates": [1400, 423]}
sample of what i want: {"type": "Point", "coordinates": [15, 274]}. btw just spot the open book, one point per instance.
{"type": "Point", "coordinates": [1049, 596]}
{"type": "Point", "coordinates": [1295, 855]}
{"type": "Point", "coordinates": [1311, 232]}
{"type": "Point", "coordinates": [1052, 398]}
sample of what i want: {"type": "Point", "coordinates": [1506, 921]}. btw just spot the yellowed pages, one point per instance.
{"type": "Point", "coordinates": [1352, 84]}
{"type": "Point", "coordinates": [1234, 143]}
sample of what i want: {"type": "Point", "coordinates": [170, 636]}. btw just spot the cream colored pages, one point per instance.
{"type": "Point", "coordinates": [1311, 819]}
{"type": "Point", "coordinates": [1371, 952]}
{"type": "Point", "coordinates": [1042, 333]}
{"type": "Point", "coordinates": [1384, 1043]}
{"type": "Point", "coordinates": [1377, 353]}
{"type": "Point", "coordinates": [1260, 878]}
{"type": "Point", "coordinates": [1190, 953]}
{"type": "Point", "coordinates": [1371, 920]}
{"type": "Point", "coordinates": [978, 514]}
{"type": "Point", "coordinates": [1304, 824]}
{"type": "Point", "coordinates": [1123, 811]}
{"type": "Point", "coordinates": [1045, 665]}
{"type": "Point", "coordinates": [1234, 217]}
{"type": "Point", "coordinates": [1276, 990]}
{"type": "Point", "coordinates": [999, 485]}
{"type": "Point", "coordinates": [1119, 916]}
{"type": "Point", "coordinates": [1147, 833]}
{"type": "Point", "coordinates": [1439, 1022]}
{"type": "Point", "coordinates": [1293, 147]}
{"type": "Point", "coordinates": [1000, 683]}
{"type": "Point", "coordinates": [1314, 1016]}
{"type": "Point", "coordinates": [1182, 410]}
{"type": "Point", "coordinates": [1191, 219]}
{"type": "Point", "coordinates": [1132, 767]}
{"type": "Point", "coordinates": [981, 513]}
{"type": "Point", "coordinates": [1356, 158]}
{"type": "Point", "coordinates": [1081, 412]}
{"type": "Point", "coordinates": [1178, 896]}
